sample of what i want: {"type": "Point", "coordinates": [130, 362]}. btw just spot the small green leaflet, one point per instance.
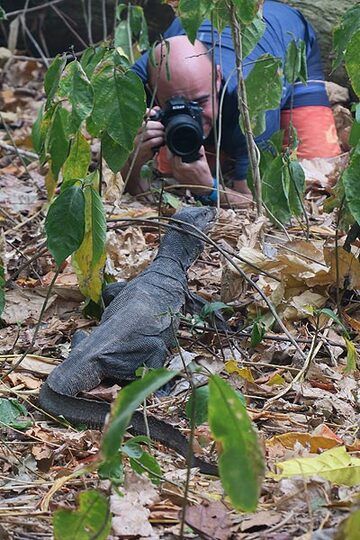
{"type": "Point", "coordinates": [10, 411]}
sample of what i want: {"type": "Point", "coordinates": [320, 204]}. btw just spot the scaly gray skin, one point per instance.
{"type": "Point", "coordinates": [137, 328]}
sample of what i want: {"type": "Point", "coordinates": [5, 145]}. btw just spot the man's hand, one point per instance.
{"type": "Point", "coordinates": [150, 136]}
{"type": "Point", "coordinates": [192, 174]}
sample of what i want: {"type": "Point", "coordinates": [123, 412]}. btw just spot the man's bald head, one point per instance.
{"type": "Point", "coordinates": [185, 69]}
{"type": "Point", "coordinates": [179, 59]}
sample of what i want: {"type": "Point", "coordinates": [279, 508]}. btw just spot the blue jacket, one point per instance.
{"type": "Point", "coordinates": [283, 23]}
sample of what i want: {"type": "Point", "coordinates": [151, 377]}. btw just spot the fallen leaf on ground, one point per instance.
{"type": "Point", "coordinates": [336, 465]}
{"type": "Point", "coordinates": [210, 520]}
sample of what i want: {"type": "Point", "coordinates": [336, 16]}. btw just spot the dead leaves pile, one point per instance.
{"type": "Point", "coordinates": [309, 432]}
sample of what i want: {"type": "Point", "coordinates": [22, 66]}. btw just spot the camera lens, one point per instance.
{"type": "Point", "coordinates": [184, 135]}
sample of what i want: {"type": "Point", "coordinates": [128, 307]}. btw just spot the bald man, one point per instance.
{"type": "Point", "coordinates": [191, 72]}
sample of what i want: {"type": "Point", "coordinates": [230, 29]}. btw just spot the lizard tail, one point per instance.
{"type": "Point", "coordinates": [93, 414]}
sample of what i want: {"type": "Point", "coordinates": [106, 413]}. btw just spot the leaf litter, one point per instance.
{"type": "Point", "coordinates": [310, 428]}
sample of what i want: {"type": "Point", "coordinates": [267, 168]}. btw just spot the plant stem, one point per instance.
{"type": "Point", "coordinates": [243, 107]}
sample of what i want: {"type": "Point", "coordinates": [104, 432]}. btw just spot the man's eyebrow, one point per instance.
{"type": "Point", "coordinates": [202, 98]}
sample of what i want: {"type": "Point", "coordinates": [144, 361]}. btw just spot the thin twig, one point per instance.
{"type": "Point", "coordinates": [11, 14]}
{"type": "Point", "coordinates": [37, 328]}
{"type": "Point", "coordinates": [18, 151]}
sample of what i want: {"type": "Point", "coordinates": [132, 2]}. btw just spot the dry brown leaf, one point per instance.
{"type": "Point", "coordinates": [130, 515]}
{"type": "Point", "coordinates": [211, 520]}
{"type": "Point", "coordinates": [24, 304]}
{"type": "Point", "coordinates": [33, 363]}
{"type": "Point", "coordinates": [128, 253]}
{"type": "Point", "coordinates": [29, 382]}
{"type": "Point", "coordinates": [300, 307]}
{"type": "Point", "coordinates": [348, 267]}
{"type": "Point", "coordinates": [260, 520]}
{"type": "Point", "coordinates": [316, 443]}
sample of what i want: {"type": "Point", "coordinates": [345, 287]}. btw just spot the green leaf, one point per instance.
{"type": "Point", "coordinates": [264, 89]}
{"type": "Point", "coordinates": [212, 307]}
{"type": "Point", "coordinates": [92, 520]}
{"type": "Point", "coordinates": [98, 219]}
{"type": "Point", "coordinates": [352, 61]}
{"type": "Point", "coordinates": [171, 200]}
{"type": "Point", "coordinates": [52, 77]}
{"type": "Point", "coordinates": [2, 288]}
{"type": "Point", "coordinates": [350, 178]}
{"type": "Point", "coordinates": [78, 160]}
{"type": "Point", "coordinates": [92, 57]}
{"type": "Point", "coordinates": [251, 35]}
{"type": "Point", "coordinates": [351, 357]}
{"type": "Point", "coordinates": [303, 73]}
{"type": "Point", "coordinates": [147, 464]}
{"type": "Point", "coordinates": [82, 94]}
{"type": "Point", "coordinates": [36, 137]}
{"type": "Point", "coordinates": [114, 154]}
{"type": "Point", "coordinates": [198, 402]}
{"type": "Point", "coordinates": [3, 15]}
{"type": "Point", "coordinates": [292, 62]}
{"type": "Point", "coordinates": [241, 463]}
{"type": "Point", "coordinates": [121, 38]}
{"type": "Point", "coordinates": [119, 104]}
{"type": "Point", "coordinates": [128, 400]}
{"type": "Point", "coordinates": [332, 315]}
{"type": "Point", "coordinates": [10, 410]}
{"type": "Point", "coordinates": [349, 528]}
{"type": "Point", "coordinates": [354, 137]}
{"type": "Point", "coordinates": [88, 261]}
{"type": "Point", "coordinates": [192, 14]}
{"type": "Point", "coordinates": [357, 113]}
{"type": "Point", "coordinates": [246, 10]}
{"type": "Point", "coordinates": [58, 140]}
{"type": "Point", "coordinates": [65, 223]}
{"type": "Point", "coordinates": [350, 23]}
{"type": "Point", "coordinates": [257, 333]}
{"type": "Point", "coordinates": [296, 187]}
{"type": "Point", "coordinates": [335, 465]}
{"type": "Point", "coordinates": [274, 196]}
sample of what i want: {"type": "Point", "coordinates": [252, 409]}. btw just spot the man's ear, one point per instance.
{"type": "Point", "coordinates": [218, 78]}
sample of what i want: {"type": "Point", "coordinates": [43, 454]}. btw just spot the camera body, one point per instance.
{"type": "Point", "coordinates": [184, 133]}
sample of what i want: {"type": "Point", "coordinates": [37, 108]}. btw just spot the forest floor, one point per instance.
{"type": "Point", "coordinates": [301, 409]}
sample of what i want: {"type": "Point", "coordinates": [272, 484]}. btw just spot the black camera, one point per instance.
{"type": "Point", "coordinates": [184, 134]}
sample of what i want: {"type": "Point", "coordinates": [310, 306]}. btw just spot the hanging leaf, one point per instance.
{"type": "Point", "coordinates": [114, 154]}
{"type": "Point", "coordinates": [350, 178]}
{"type": "Point", "coordinates": [89, 259]}
{"type": "Point", "coordinates": [65, 223]}
{"type": "Point", "coordinates": [352, 61]}
{"type": "Point", "coordinates": [58, 140]}
{"type": "Point", "coordinates": [335, 465]}
{"type": "Point", "coordinates": [128, 400]}
{"type": "Point", "coordinates": [198, 402]}
{"type": "Point", "coordinates": [78, 160]}
{"type": "Point", "coordinates": [251, 35]}
{"type": "Point", "coordinates": [52, 77]}
{"type": "Point", "coordinates": [91, 520]}
{"type": "Point", "coordinates": [36, 137]}
{"type": "Point", "coordinates": [192, 14]}
{"type": "Point", "coordinates": [81, 96]}
{"type": "Point", "coordinates": [296, 187]}
{"type": "Point", "coordinates": [349, 25]}
{"type": "Point", "coordinates": [264, 90]}
{"type": "Point", "coordinates": [241, 463]}
{"type": "Point", "coordinates": [119, 104]}
{"type": "Point", "coordinates": [246, 10]}
{"type": "Point", "coordinates": [274, 196]}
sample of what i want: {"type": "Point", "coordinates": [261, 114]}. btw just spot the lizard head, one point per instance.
{"type": "Point", "coordinates": [201, 217]}
{"type": "Point", "coordinates": [192, 220]}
